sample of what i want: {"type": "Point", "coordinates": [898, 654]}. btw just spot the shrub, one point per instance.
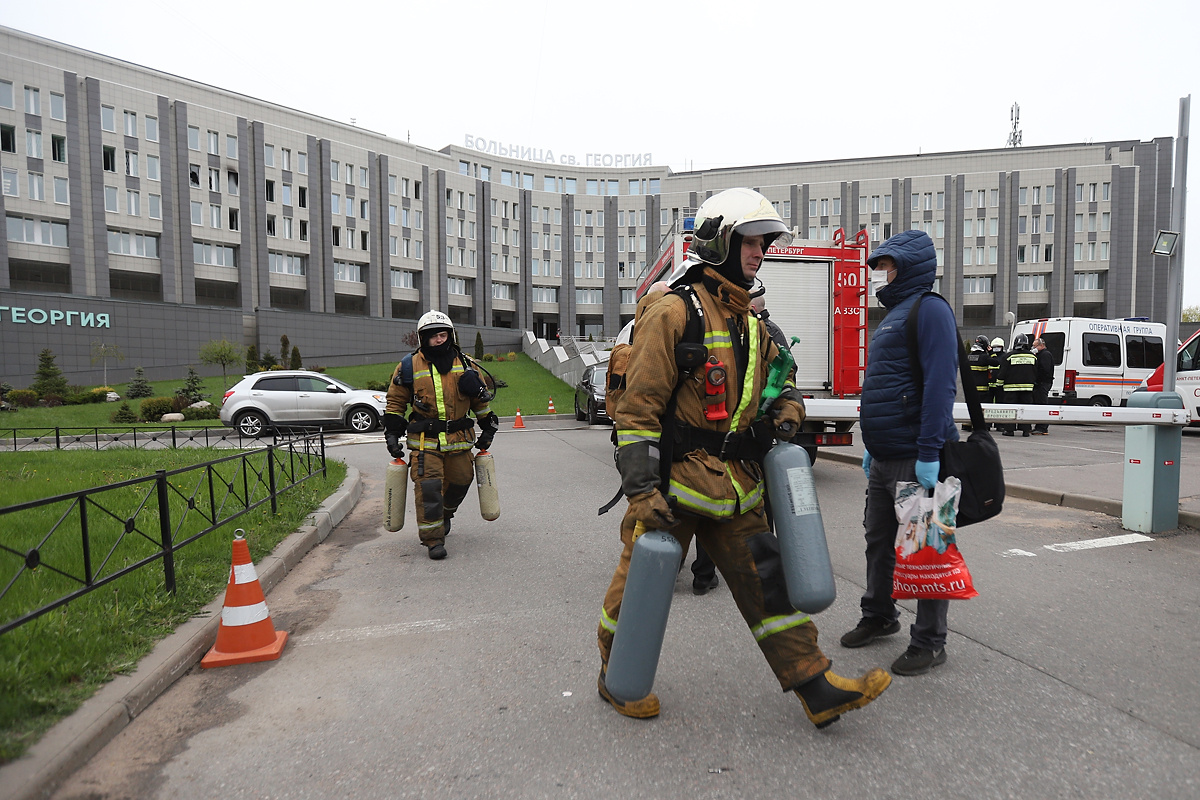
{"type": "Point", "coordinates": [52, 400]}
{"type": "Point", "coordinates": [478, 344]}
{"type": "Point", "coordinates": [315, 369]}
{"type": "Point", "coordinates": [488, 357]}
{"type": "Point", "coordinates": [24, 398]}
{"type": "Point", "coordinates": [153, 408]}
{"type": "Point", "coordinates": [377, 386]}
{"type": "Point", "coordinates": [204, 412]}
{"type": "Point", "coordinates": [500, 357]}
{"type": "Point", "coordinates": [179, 403]}
{"type": "Point", "coordinates": [267, 361]}
{"type": "Point", "coordinates": [123, 415]}
{"type": "Point", "coordinates": [252, 365]}
{"type": "Point", "coordinates": [296, 363]}
{"type": "Point", "coordinates": [139, 387]}
{"type": "Point", "coordinates": [512, 356]}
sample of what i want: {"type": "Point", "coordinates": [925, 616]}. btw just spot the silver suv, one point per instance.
{"type": "Point", "coordinates": [297, 397]}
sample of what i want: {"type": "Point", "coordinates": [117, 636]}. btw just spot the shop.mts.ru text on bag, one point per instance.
{"type": "Point", "coordinates": [928, 563]}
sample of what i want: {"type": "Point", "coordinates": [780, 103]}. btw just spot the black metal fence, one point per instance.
{"type": "Point", "coordinates": [134, 436]}
{"type": "Point", "coordinates": [55, 550]}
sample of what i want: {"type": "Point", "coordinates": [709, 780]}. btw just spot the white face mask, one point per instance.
{"type": "Point", "coordinates": [879, 279]}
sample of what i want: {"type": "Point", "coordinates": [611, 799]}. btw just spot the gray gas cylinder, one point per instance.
{"type": "Point", "coordinates": [642, 622]}
{"type": "Point", "coordinates": [801, 531]}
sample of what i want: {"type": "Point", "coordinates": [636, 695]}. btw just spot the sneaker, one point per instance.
{"type": "Point", "coordinates": [868, 630]}
{"type": "Point", "coordinates": [1007, 433]}
{"type": "Point", "coordinates": [826, 697]}
{"type": "Point", "coordinates": [638, 709]}
{"type": "Point", "coordinates": [1024, 433]}
{"type": "Point", "coordinates": [918, 661]}
{"type": "Point", "coordinates": [702, 586]}
{"type": "Point", "coordinates": [437, 552]}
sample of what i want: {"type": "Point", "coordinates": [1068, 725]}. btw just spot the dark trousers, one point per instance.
{"type": "Point", "coordinates": [879, 525]}
{"type": "Point", "coordinates": [1041, 392]}
{"type": "Point", "coordinates": [1017, 398]}
{"type": "Point", "coordinates": [703, 568]}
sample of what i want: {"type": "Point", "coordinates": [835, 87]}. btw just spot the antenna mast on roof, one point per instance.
{"type": "Point", "coordinates": [1014, 136]}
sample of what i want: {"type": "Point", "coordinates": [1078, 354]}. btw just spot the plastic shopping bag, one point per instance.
{"type": "Point", "coordinates": [928, 563]}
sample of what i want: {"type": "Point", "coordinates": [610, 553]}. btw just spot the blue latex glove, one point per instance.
{"type": "Point", "coordinates": [927, 473]}
{"type": "Point", "coordinates": [867, 463]}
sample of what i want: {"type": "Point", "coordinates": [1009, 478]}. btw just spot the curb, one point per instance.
{"type": "Point", "coordinates": [78, 737]}
{"type": "Point", "coordinates": [1083, 502]}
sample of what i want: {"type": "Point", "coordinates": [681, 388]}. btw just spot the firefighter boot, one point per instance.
{"type": "Point", "coordinates": [828, 696]}
{"type": "Point", "coordinates": [639, 709]}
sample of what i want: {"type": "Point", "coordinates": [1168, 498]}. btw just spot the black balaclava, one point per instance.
{"type": "Point", "coordinates": [731, 268]}
{"type": "Point", "coordinates": [441, 356]}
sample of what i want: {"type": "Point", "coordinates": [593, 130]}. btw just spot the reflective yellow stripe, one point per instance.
{"type": "Point", "coordinates": [422, 374]}
{"type": "Point", "coordinates": [717, 339]}
{"type": "Point", "coordinates": [746, 500]}
{"type": "Point", "coordinates": [428, 526]}
{"type": "Point", "coordinates": [693, 499]}
{"type": "Point", "coordinates": [483, 412]}
{"type": "Point", "coordinates": [631, 437]}
{"type": "Point", "coordinates": [744, 403]}
{"type": "Point", "coordinates": [441, 407]}
{"type": "Point", "coordinates": [450, 448]}
{"type": "Point", "coordinates": [608, 623]}
{"type": "Point", "coordinates": [773, 625]}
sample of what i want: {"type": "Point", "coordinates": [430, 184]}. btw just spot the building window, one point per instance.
{"type": "Point", "coordinates": [285, 159]}
{"type": "Point", "coordinates": [302, 163]}
{"type": "Point", "coordinates": [303, 232]}
{"type": "Point", "coordinates": [287, 263]}
{"type": "Point", "coordinates": [131, 163]}
{"type": "Point", "coordinates": [214, 254]}
{"type": "Point", "coordinates": [214, 143]}
{"type": "Point", "coordinates": [270, 191]}
{"type": "Point", "coordinates": [193, 138]}
{"type": "Point", "coordinates": [33, 143]}
{"type": "Point", "coordinates": [268, 155]}
{"type": "Point", "coordinates": [1105, 220]}
{"type": "Point", "coordinates": [197, 213]}
{"type": "Point", "coordinates": [8, 139]}
{"type": "Point", "coordinates": [133, 203]}
{"type": "Point", "coordinates": [214, 216]}
{"type": "Point", "coordinates": [131, 128]}
{"type": "Point", "coordinates": [110, 199]}
{"type": "Point", "coordinates": [231, 182]}
{"type": "Point", "coordinates": [214, 179]}
{"type": "Point", "coordinates": [6, 94]}
{"type": "Point", "coordinates": [132, 244]}
{"type": "Point", "coordinates": [1107, 190]}
{"type": "Point", "coordinates": [231, 146]}
{"type": "Point", "coordinates": [270, 224]}
{"type": "Point", "coordinates": [1089, 281]}
{"type": "Point", "coordinates": [62, 193]}
{"type": "Point", "coordinates": [152, 129]}
{"type": "Point", "coordinates": [979, 284]}
{"type": "Point", "coordinates": [155, 206]}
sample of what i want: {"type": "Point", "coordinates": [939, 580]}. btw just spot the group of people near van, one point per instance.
{"type": "Point", "coordinates": [1023, 376]}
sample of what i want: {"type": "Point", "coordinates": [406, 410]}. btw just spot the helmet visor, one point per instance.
{"type": "Point", "coordinates": [772, 230]}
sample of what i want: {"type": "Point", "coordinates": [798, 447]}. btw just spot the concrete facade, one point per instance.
{"type": "Point", "coordinates": [176, 202]}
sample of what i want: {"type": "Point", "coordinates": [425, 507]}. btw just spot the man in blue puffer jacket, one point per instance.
{"type": "Point", "coordinates": [903, 429]}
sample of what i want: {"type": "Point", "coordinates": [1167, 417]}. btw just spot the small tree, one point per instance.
{"type": "Point", "coordinates": [285, 349]}
{"type": "Point", "coordinates": [252, 359]}
{"type": "Point", "coordinates": [49, 378]}
{"type": "Point", "coordinates": [268, 360]}
{"type": "Point", "coordinates": [223, 352]}
{"type": "Point", "coordinates": [296, 362]}
{"type": "Point", "coordinates": [1190, 314]}
{"type": "Point", "coordinates": [139, 387]}
{"type": "Point", "coordinates": [103, 352]}
{"type": "Point", "coordinates": [124, 414]}
{"type": "Point", "coordinates": [479, 345]}
{"type": "Point", "coordinates": [192, 386]}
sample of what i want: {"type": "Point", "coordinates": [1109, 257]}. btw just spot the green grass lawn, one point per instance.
{"type": "Point", "coordinates": [53, 663]}
{"type": "Point", "coordinates": [530, 387]}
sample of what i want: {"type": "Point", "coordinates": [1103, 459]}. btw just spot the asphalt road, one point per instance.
{"type": "Point", "coordinates": [1072, 675]}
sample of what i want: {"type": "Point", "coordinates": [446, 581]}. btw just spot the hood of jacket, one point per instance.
{"type": "Point", "coordinates": [916, 266]}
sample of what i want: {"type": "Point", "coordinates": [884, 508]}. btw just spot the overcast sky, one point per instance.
{"type": "Point", "coordinates": [700, 84]}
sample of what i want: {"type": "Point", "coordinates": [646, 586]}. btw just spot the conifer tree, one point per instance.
{"type": "Point", "coordinates": [139, 386]}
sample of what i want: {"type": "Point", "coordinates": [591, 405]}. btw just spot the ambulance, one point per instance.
{"type": "Point", "coordinates": [1187, 376]}
{"type": "Point", "coordinates": [1097, 362]}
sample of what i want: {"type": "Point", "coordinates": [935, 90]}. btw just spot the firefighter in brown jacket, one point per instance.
{"type": "Point", "coordinates": [442, 387]}
{"type": "Point", "coordinates": [715, 486]}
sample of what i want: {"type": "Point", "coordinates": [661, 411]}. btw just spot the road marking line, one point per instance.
{"type": "Point", "coordinates": [1016, 552]}
{"type": "Point", "coordinates": [1089, 544]}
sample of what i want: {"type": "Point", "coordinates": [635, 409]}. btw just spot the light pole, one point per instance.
{"type": "Point", "coordinates": [1170, 244]}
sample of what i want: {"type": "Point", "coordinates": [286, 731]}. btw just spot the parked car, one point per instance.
{"type": "Point", "coordinates": [1187, 376]}
{"type": "Point", "coordinates": [297, 397]}
{"type": "Point", "coordinates": [589, 395]}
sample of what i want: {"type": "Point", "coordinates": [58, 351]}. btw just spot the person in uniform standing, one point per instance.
{"type": "Point", "coordinates": [441, 385]}
{"type": "Point", "coordinates": [1043, 381]}
{"type": "Point", "coordinates": [1018, 374]}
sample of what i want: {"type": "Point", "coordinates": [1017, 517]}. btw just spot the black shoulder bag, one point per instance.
{"type": "Point", "coordinates": [975, 462]}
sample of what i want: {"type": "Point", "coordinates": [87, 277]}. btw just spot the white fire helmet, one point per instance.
{"type": "Point", "coordinates": [432, 321]}
{"type": "Point", "coordinates": [741, 211]}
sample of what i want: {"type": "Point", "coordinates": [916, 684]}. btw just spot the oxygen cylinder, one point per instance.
{"type": "Point", "coordinates": [485, 484]}
{"type": "Point", "coordinates": [642, 622]}
{"type": "Point", "coordinates": [395, 494]}
{"type": "Point", "coordinates": [801, 531]}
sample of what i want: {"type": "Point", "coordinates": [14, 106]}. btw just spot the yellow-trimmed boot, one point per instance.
{"type": "Point", "coordinates": [828, 696]}
{"type": "Point", "coordinates": [639, 709]}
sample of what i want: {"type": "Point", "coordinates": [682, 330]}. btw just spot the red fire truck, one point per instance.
{"type": "Point", "coordinates": [817, 291]}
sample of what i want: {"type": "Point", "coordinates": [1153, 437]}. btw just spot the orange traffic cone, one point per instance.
{"type": "Point", "coordinates": [518, 423]}
{"type": "Point", "coordinates": [550, 410]}
{"type": "Point", "coordinates": [246, 633]}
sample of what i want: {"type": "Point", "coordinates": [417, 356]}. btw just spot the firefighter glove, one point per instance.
{"type": "Point", "coordinates": [488, 424]}
{"type": "Point", "coordinates": [787, 413]}
{"type": "Point", "coordinates": [393, 445]}
{"type": "Point", "coordinates": [638, 464]}
{"type": "Point", "coordinates": [651, 510]}
{"type": "Point", "coordinates": [394, 426]}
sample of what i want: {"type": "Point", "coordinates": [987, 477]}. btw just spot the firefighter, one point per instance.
{"type": "Point", "coordinates": [442, 386]}
{"type": "Point", "coordinates": [713, 490]}
{"type": "Point", "coordinates": [982, 363]}
{"type": "Point", "coordinates": [997, 392]}
{"type": "Point", "coordinates": [1018, 373]}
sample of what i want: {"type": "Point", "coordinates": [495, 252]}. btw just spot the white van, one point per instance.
{"type": "Point", "coordinates": [1097, 362]}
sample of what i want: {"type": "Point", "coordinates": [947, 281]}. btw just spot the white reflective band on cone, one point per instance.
{"type": "Point", "coordinates": [244, 573]}
{"type": "Point", "coordinates": [234, 616]}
